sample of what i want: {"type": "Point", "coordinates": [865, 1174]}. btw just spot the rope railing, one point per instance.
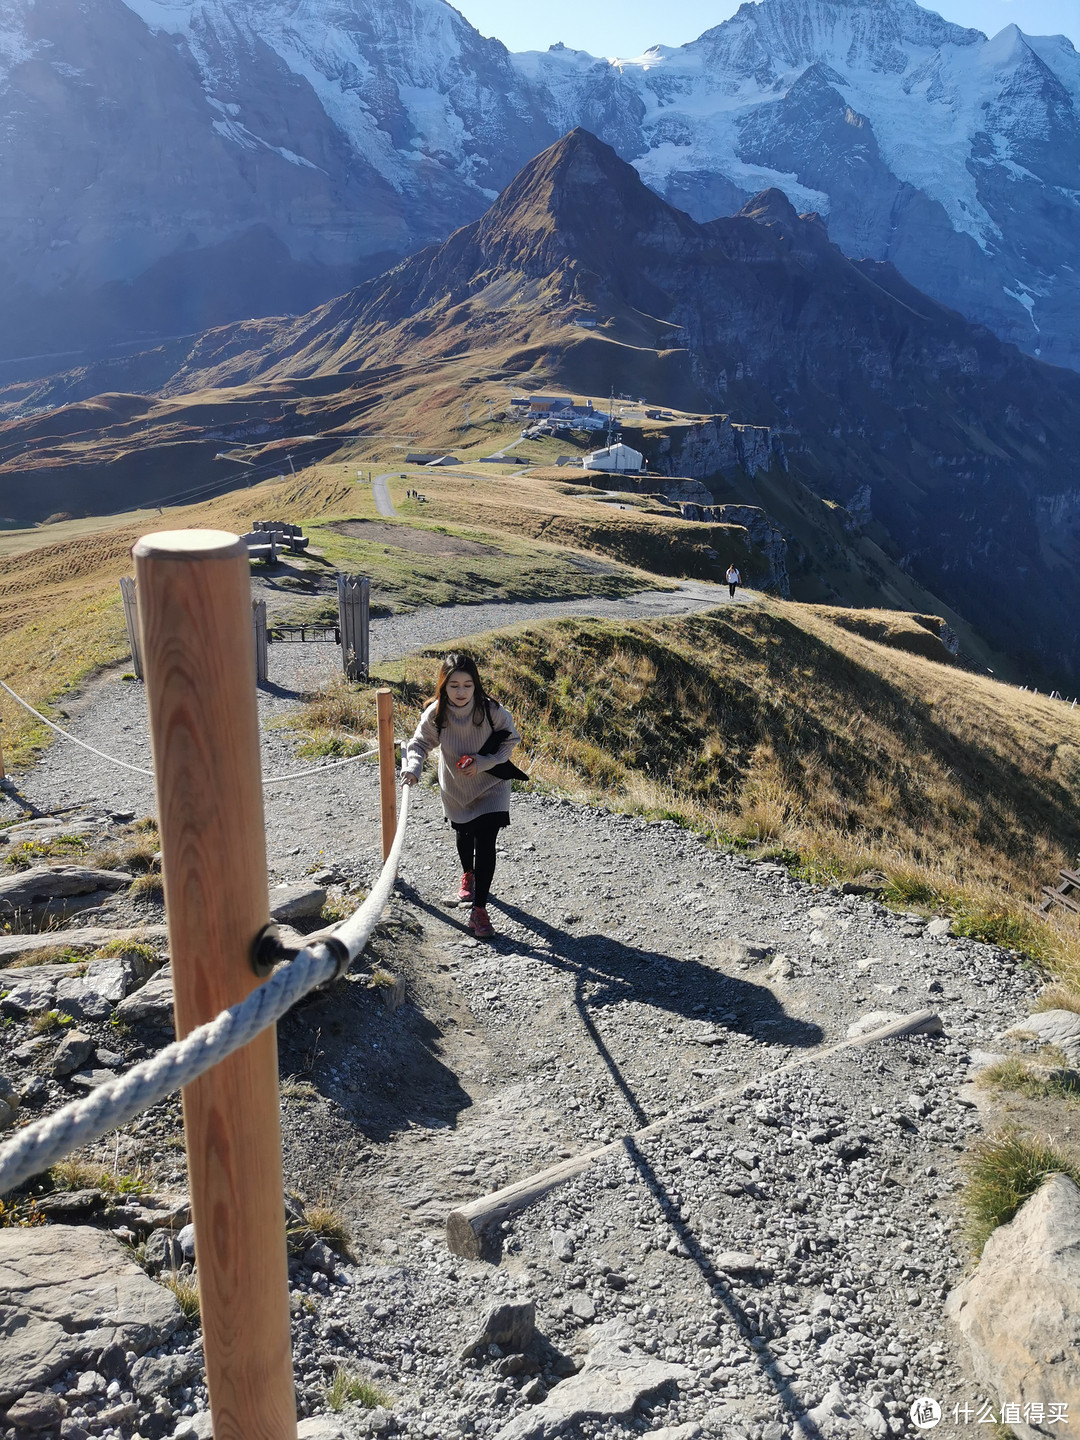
{"type": "Point", "coordinates": [40, 1145]}
{"type": "Point", "coordinates": [141, 770]}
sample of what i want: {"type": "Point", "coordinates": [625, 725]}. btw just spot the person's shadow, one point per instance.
{"type": "Point", "coordinates": [607, 971]}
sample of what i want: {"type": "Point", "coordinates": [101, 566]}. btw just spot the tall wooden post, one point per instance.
{"type": "Point", "coordinates": [384, 704]}
{"type": "Point", "coordinates": [262, 661]}
{"type": "Point", "coordinates": [198, 653]}
{"type": "Point", "coordinates": [3, 772]}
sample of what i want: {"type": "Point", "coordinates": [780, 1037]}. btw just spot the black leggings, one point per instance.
{"type": "Point", "coordinates": [476, 849]}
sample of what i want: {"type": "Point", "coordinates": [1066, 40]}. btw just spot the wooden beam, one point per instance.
{"type": "Point", "coordinates": [467, 1226]}
{"type": "Point", "coordinates": [199, 657]}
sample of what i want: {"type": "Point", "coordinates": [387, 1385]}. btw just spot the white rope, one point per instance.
{"type": "Point", "coordinates": [38, 1146]}
{"type": "Point", "coordinates": [331, 765]}
{"type": "Point", "coordinates": [139, 769]}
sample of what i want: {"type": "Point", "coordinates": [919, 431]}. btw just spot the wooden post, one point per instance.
{"type": "Point", "coordinates": [354, 611]}
{"type": "Point", "coordinates": [262, 661]}
{"type": "Point", "coordinates": [3, 772]}
{"type": "Point", "coordinates": [384, 704]}
{"type": "Point", "coordinates": [131, 620]}
{"type": "Point", "coordinates": [197, 639]}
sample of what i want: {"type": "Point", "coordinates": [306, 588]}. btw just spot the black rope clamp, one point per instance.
{"type": "Point", "coordinates": [269, 949]}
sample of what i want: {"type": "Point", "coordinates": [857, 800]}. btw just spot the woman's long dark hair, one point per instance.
{"type": "Point", "coordinates": [457, 660]}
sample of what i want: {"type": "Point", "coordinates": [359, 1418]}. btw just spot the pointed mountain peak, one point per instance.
{"type": "Point", "coordinates": [771, 207]}
{"type": "Point", "coordinates": [577, 187]}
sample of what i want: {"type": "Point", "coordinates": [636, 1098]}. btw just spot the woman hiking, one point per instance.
{"type": "Point", "coordinates": [462, 721]}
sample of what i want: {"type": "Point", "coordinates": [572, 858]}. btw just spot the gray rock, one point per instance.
{"type": "Point", "coordinates": [109, 978]}
{"type": "Point", "coordinates": [296, 902]}
{"type": "Point", "coordinates": [1020, 1311]}
{"type": "Point", "coordinates": [511, 1325]}
{"type": "Point", "coordinates": [72, 1053]}
{"type": "Point", "coordinates": [37, 1410]}
{"type": "Point", "coordinates": [322, 1427]}
{"type": "Point", "coordinates": [562, 1246]}
{"type": "Point", "coordinates": [163, 1251]}
{"type": "Point", "coordinates": [690, 1431]}
{"type": "Point", "coordinates": [91, 1079]}
{"type": "Point", "coordinates": [939, 926]}
{"type": "Point", "coordinates": [66, 1294]}
{"type": "Point", "coordinates": [614, 1379]}
{"type": "Point", "coordinates": [186, 1240]}
{"type": "Point", "coordinates": [30, 992]}
{"type": "Point", "coordinates": [154, 1375]}
{"type": "Point", "coordinates": [77, 996]}
{"type": "Point", "coordinates": [153, 1004]}
{"type": "Point", "coordinates": [7, 1115]}
{"type": "Point", "coordinates": [739, 1262]}
{"type": "Point", "coordinates": [739, 952]}
{"type": "Point", "coordinates": [29, 888]}
{"type": "Point", "coordinates": [195, 1427]}
{"type": "Point", "coordinates": [1051, 1027]}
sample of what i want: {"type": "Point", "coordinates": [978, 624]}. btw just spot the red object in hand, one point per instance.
{"type": "Point", "coordinates": [464, 762]}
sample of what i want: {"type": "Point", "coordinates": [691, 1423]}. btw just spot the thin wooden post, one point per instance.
{"type": "Point", "coordinates": [384, 705]}
{"type": "Point", "coordinates": [262, 660]}
{"type": "Point", "coordinates": [131, 620]}
{"type": "Point", "coordinates": [3, 772]}
{"type": "Point", "coordinates": [197, 639]}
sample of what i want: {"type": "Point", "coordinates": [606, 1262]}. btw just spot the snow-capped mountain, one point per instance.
{"type": "Point", "coordinates": [953, 155]}
{"type": "Point", "coordinates": [165, 164]}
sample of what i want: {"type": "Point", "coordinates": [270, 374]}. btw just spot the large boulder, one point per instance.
{"type": "Point", "coordinates": [66, 1294]}
{"type": "Point", "coordinates": [1020, 1311]}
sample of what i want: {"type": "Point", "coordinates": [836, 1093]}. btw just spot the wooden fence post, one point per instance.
{"type": "Point", "coordinates": [197, 641]}
{"type": "Point", "coordinates": [131, 619]}
{"type": "Point", "coordinates": [3, 772]}
{"type": "Point", "coordinates": [354, 618]}
{"type": "Point", "coordinates": [262, 660]}
{"type": "Point", "coordinates": [384, 704]}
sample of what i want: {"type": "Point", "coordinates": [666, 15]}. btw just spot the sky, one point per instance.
{"type": "Point", "coordinates": [628, 27]}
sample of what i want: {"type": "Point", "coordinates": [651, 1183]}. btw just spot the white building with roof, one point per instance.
{"type": "Point", "coordinates": [618, 458]}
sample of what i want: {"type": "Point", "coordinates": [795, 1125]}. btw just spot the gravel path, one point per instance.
{"type": "Point", "coordinates": [789, 1244]}
{"type": "Point", "coordinates": [111, 713]}
{"type": "Point", "coordinates": [381, 494]}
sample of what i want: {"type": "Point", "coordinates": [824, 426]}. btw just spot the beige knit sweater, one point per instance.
{"type": "Point", "coordinates": [466, 794]}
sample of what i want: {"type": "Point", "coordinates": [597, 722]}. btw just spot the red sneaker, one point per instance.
{"type": "Point", "coordinates": [479, 923]}
{"type": "Point", "coordinates": [467, 888]}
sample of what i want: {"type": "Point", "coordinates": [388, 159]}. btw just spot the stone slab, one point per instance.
{"type": "Point", "coordinates": [67, 1293]}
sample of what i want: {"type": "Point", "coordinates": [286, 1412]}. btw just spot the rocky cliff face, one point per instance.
{"type": "Point", "coordinates": [169, 164]}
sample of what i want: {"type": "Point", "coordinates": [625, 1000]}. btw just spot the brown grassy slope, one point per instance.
{"type": "Point", "coordinates": [60, 616]}
{"type": "Point", "coordinates": [776, 726]}
{"type": "Point", "coordinates": [60, 612]}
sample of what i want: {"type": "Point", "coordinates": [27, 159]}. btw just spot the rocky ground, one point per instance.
{"type": "Point", "coordinates": [774, 1263]}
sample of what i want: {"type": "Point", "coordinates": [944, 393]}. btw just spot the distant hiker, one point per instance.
{"type": "Point", "coordinates": [474, 786]}
{"type": "Point", "coordinates": [733, 578]}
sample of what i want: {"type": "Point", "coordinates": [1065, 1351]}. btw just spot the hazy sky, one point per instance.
{"type": "Point", "coordinates": [627, 27]}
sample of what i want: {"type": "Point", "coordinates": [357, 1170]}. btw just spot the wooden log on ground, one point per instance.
{"type": "Point", "coordinates": [467, 1227]}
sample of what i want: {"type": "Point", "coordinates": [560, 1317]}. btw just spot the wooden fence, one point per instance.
{"type": "Point", "coordinates": [352, 632]}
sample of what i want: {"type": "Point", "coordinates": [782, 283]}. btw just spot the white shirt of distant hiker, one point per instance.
{"type": "Point", "coordinates": [733, 578]}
